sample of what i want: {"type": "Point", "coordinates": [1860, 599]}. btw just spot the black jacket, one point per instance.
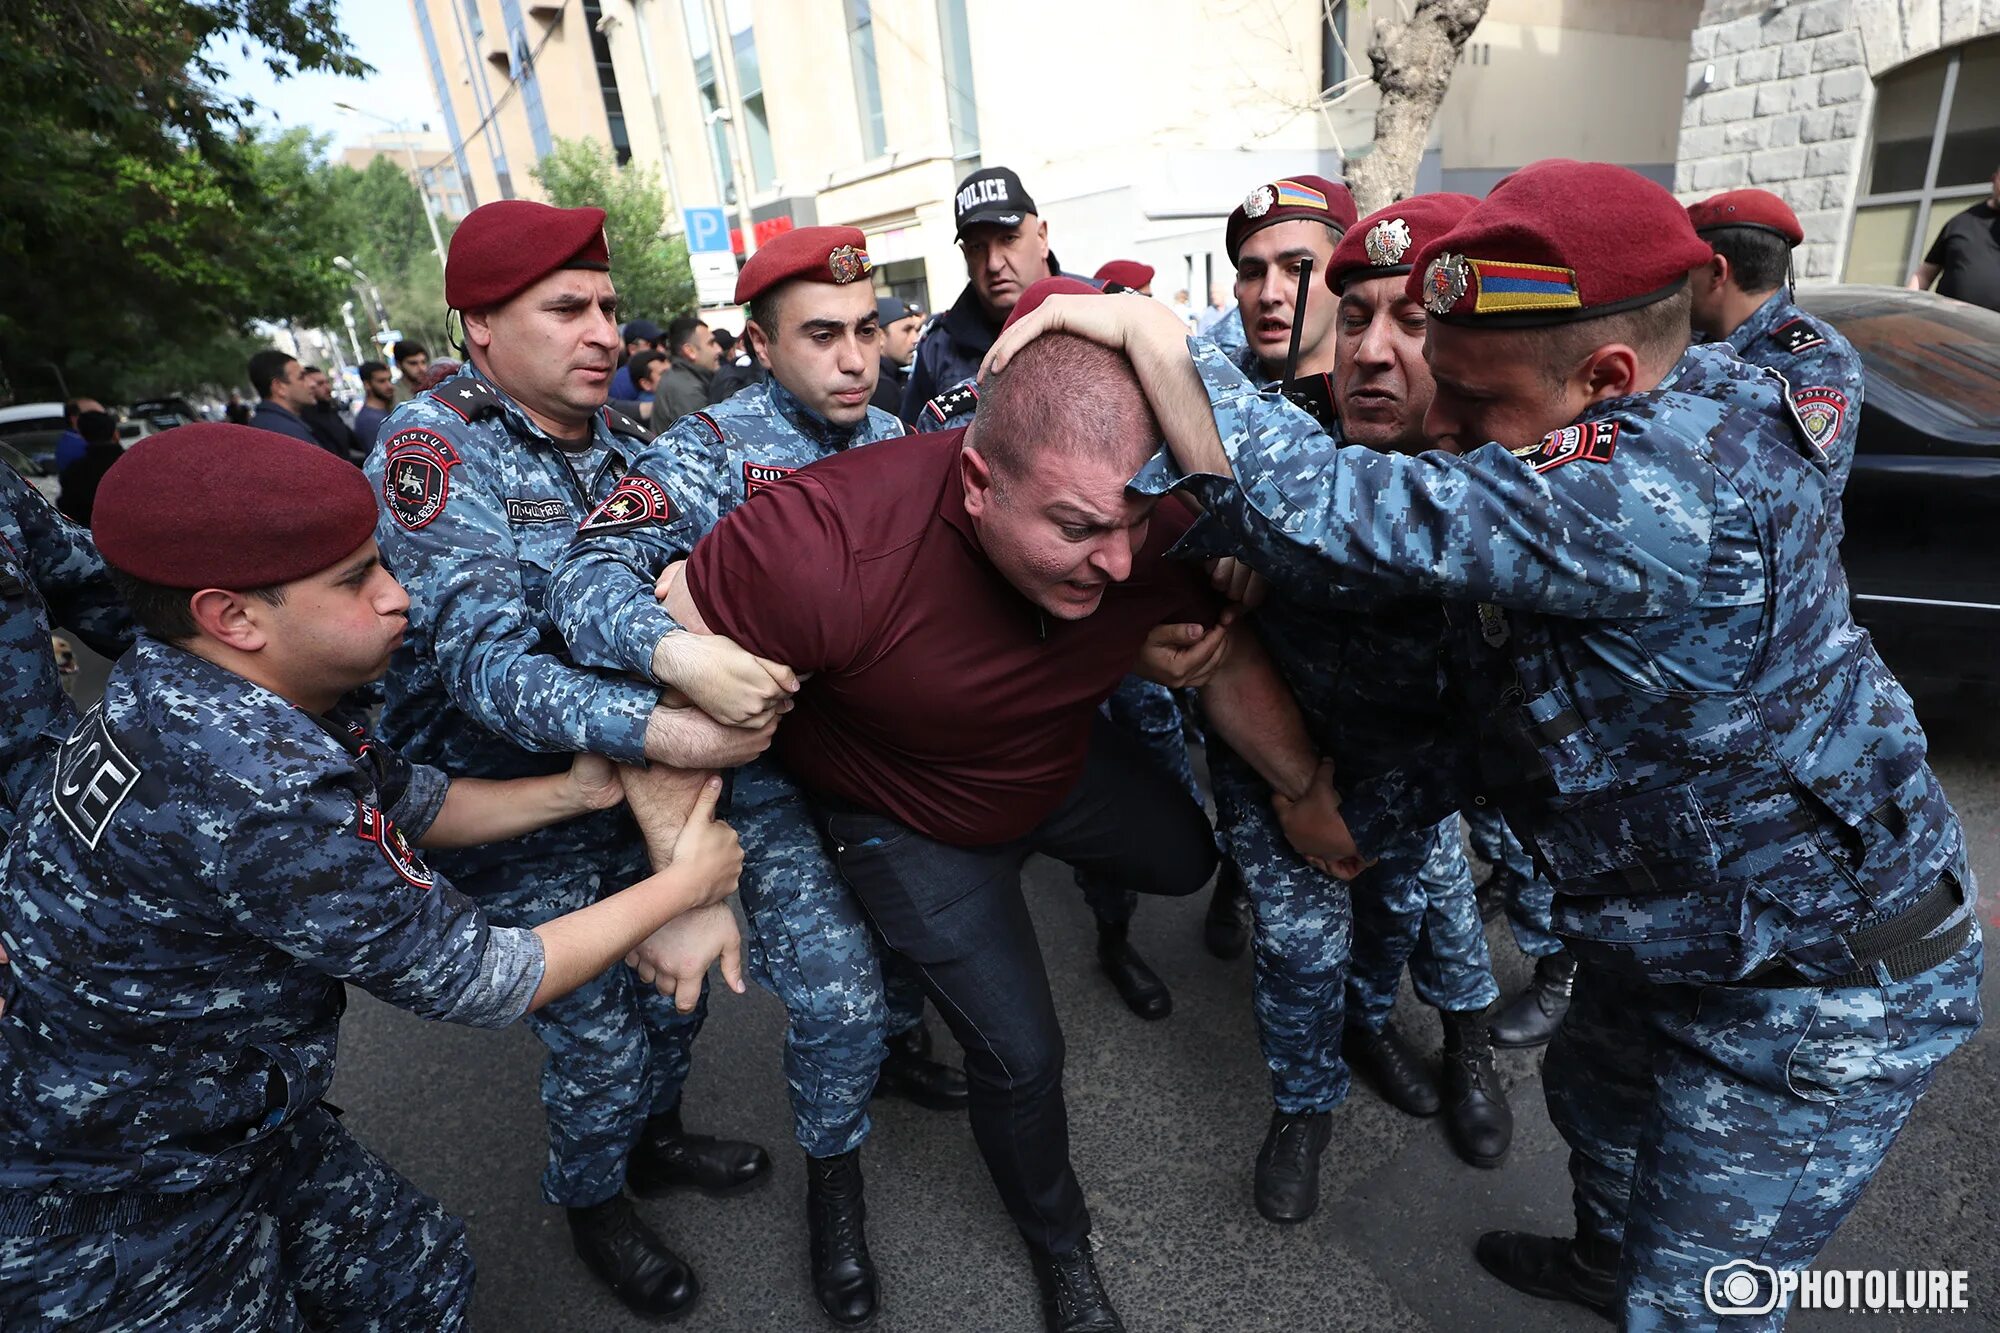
{"type": "Point", "coordinates": [889, 388]}
{"type": "Point", "coordinates": [79, 481]}
{"type": "Point", "coordinates": [950, 352]}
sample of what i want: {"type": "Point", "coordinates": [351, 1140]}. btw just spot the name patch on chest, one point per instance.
{"type": "Point", "coordinates": [756, 476]}
{"type": "Point", "coordinates": [1797, 336]}
{"type": "Point", "coordinates": [1590, 441]}
{"type": "Point", "coordinates": [416, 476]}
{"type": "Point", "coordinates": [93, 778]}
{"type": "Point", "coordinates": [536, 511]}
{"type": "Point", "coordinates": [378, 828]}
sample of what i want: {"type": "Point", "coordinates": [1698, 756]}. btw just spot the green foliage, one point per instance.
{"type": "Point", "coordinates": [141, 228]}
{"type": "Point", "coordinates": [376, 217]}
{"type": "Point", "coordinates": [650, 271]}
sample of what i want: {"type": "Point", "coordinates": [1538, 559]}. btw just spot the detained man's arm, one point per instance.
{"type": "Point", "coordinates": [478, 810]}
{"type": "Point", "coordinates": [676, 957]}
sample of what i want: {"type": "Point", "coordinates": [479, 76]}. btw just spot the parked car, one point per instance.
{"type": "Point", "coordinates": [31, 428]}
{"type": "Point", "coordinates": [1922, 505]}
{"type": "Point", "coordinates": [41, 478]}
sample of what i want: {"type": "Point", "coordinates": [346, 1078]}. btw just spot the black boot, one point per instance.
{"type": "Point", "coordinates": [1225, 929]}
{"type": "Point", "coordinates": [1532, 1017]}
{"type": "Point", "coordinates": [1073, 1299]}
{"type": "Point", "coordinates": [617, 1246]}
{"type": "Point", "coordinates": [1288, 1165]}
{"type": "Point", "coordinates": [909, 1072]}
{"type": "Point", "coordinates": [1554, 1268]}
{"type": "Point", "coordinates": [1492, 893]}
{"type": "Point", "coordinates": [1386, 1061]}
{"type": "Point", "coordinates": [1477, 1116]}
{"type": "Point", "coordinates": [1137, 984]}
{"type": "Point", "coordinates": [668, 1157]}
{"type": "Point", "coordinates": [836, 1222]}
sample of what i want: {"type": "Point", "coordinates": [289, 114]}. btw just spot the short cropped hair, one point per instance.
{"type": "Point", "coordinates": [1067, 394]}
{"type": "Point", "coordinates": [97, 427]}
{"type": "Point", "coordinates": [681, 332]}
{"type": "Point", "coordinates": [369, 368]}
{"type": "Point", "coordinates": [1758, 259]}
{"type": "Point", "coordinates": [266, 367]}
{"type": "Point", "coordinates": [644, 365]}
{"type": "Point", "coordinates": [1659, 333]}
{"type": "Point", "coordinates": [167, 613]}
{"type": "Point", "coordinates": [407, 348]}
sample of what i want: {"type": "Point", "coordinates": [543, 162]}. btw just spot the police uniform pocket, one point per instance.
{"type": "Point", "coordinates": [1841, 1051]}
{"type": "Point", "coordinates": [1654, 842]}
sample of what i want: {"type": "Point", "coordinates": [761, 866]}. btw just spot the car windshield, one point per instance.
{"type": "Point", "coordinates": [1939, 360]}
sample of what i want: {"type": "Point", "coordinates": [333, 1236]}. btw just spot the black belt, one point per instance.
{"type": "Point", "coordinates": [1903, 943]}
{"type": "Point", "coordinates": [25, 1214]}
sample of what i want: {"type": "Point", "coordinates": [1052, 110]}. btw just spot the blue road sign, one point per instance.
{"type": "Point", "coordinates": [707, 230]}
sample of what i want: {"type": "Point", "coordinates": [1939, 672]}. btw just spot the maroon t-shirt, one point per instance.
{"type": "Point", "coordinates": [940, 696]}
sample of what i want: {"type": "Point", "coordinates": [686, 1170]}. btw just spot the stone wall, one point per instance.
{"type": "Point", "coordinates": [1788, 106]}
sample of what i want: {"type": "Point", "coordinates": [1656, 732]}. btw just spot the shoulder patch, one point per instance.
{"type": "Point", "coordinates": [709, 421]}
{"type": "Point", "coordinates": [620, 424]}
{"type": "Point", "coordinates": [758, 476]}
{"type": "Point", "coordinates": [1590, 441]}
{"type": "Point", "coordinates": [1795, 336]}
{"type": "Point", "coordinates": [378, 828]}
{"type": "Point", "coordinates": [467, 395]}
{"type": "Point", "coordinates": [633, 502]}
{"type": "Point", "coordinates": [416, 475]}
{"type": "Point", "coordinates": [93, 778]}
{"type": "Point", "coordinates": [953, 405]}
{"type": "Point", "coordinates": [1820, 410]}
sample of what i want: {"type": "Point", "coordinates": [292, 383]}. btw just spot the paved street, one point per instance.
{"type": "Point", "coordinates": [1167, 1118]}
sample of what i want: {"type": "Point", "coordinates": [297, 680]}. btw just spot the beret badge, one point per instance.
{"type": "Point", "coordinates": [848, 263]}
{"type": "Point", "coordinates": [1387, 242]}
{"type": "Point", "coordinates": [1445, 283]}
{"type": "Point", "coordinates": [1258, 202]}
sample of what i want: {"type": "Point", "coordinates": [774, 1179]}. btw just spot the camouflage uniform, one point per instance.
{"type": "Point", "coordinates": [213, 864]}
{"type": "Point", "coordinates": [1530, 898]}
{"type": "Point", "coordinates": [810, 943]}
{"type": "Point", "coordinates": [1146, 710]}
{"type": "Point", "coordinates": [479, 502]}
{"type": "Point", "coordinates": [50, 575]}
{"type": "Point", "coordinates": [1762, 880]}
{"type": "Point", "coordinates": [1822, 370]}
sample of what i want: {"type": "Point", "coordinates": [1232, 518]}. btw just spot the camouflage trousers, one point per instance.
{"type": "Point", "coordinates": [1416, 907]}
{"type": "Point", "coordinates": [1303, 925]}
{"type": "Point", "coordinates": [1530, 898]}
{"type": "Point", "coordinates": [813, 947]}
{"type": "Point", "coordinates": [618, 1050]}
{"type": "Point", "coordinates": [323, 1236]}
{"type": "Point", "coordinates": [1711, 1125]}
{"type": "Point", "coordinates": [1150, 715]}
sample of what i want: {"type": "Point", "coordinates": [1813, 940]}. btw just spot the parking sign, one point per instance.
{"type": "Point", "coordinates": [707, 230]}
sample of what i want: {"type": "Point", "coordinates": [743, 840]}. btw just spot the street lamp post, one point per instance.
{"type": "Point", "coordinates": [346, 265]}
{"type": "Point", "coordinates": [416, 173]}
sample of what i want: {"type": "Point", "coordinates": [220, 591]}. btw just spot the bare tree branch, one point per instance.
{"type": "Point", "coordinates": [1413, 62]}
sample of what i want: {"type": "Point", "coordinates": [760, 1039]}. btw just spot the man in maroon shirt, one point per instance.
{"type": "Point", "coordinates": [963, 602]}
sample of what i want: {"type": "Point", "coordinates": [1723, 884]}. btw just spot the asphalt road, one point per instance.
{"type": "Point", "coordinates": [1166, 1119]}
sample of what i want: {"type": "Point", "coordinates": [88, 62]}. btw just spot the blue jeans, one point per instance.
{"type": "Point", "coordinates": [958, 914]}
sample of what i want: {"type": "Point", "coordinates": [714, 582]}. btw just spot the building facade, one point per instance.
{"type": "Point", "coordinates": [1876, 120]}
{"type": "Point", "coordinates": [1137, 127]}
{"type": "Point", "coordinates": [422, 155]}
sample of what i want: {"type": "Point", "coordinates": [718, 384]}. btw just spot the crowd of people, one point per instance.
{"type": "Point", "coordinates": [1499, 509]}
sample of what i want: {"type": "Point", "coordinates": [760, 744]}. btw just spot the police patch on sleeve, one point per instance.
{"type": "Point", "coordinates": [633, 502]}
{"type": "Point", "coordinates": [759, 476]}
{"type": "Point", "coordinates": [1797, 336]}
{"type": "Point", "coordinates": [1820, 411]}
{"type": "Point", "coordinates": [378, 828]}
{"type": "Point", "coordinates": [93, 778]}
{"type": "Point", "coordinates": [1590, 442]}
{"type": "Point", "coordinates": [416, 476]}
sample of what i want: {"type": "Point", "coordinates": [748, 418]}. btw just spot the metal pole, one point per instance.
{"type": "Point", "coordinates": [430, 211]}
{"type": "Point", "coordinates": [724, 49]}
{"type": "Point", "coordinates": [645, 41]}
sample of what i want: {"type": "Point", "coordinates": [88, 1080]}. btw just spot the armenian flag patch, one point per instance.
{"type": "Point", "coordinates": [1291, 194]}
{"type": "Point", "coordinates": [1504, 288]}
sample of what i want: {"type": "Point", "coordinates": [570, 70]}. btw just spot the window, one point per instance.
{"type": "Point", "coordinates": [750, 91]}
{"type": "Point", "coordinates": [1932, 149]}
{"type": "Point", "coordinates": [1333, 46]}
{"type": "Point", "coordinates": [607, 83]}
{"type": "Point", "coordinates": [521, 55]}
{"type": "Point", "coordinates": [442, 91]}
{"type": "Point", "coordinates": [701, 49]}
{"type": "Point", "coordinates": [960, 109]}
{"type": "Point", "coordinates": [867, 82]}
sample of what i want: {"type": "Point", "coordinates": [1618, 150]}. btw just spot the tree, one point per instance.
{"type": "Point", "coordinates": [376, 215]}
{"type": "Point", "coordinates": [1413, 62]}
{"type": "Point", "coordinates": [650, 271]}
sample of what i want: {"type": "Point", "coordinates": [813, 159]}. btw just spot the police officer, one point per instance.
{"type": "Point", "coordinates": [1147, 711]}
{"type": "Point", "coordinates": [1742, 296]}
{"type": "Point", "coordinates": [50, 575]}
{"type": "Point", "coordinates": [1277, 227]}
{"type": "Point", "coordinates": [1006, 251]}
{"type": "Point", "coordinates": [813, 322]}
{"type": "Point", "coordinates": [222, 848]}
{"type": "Point", "coordinates": [483, 481]}
{"type": "Point", "coordinates": [1764, 884]}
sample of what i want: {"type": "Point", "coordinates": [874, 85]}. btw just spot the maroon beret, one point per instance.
{"type": "Point", "coordinates": [1125, 272]}
{"type": "Point", "coordinates": [503, 248]}
{"type": "Point", "coordinates": [1313, 197]}
{"type": "Point", "coordinates": [213, 505]}
{"type": "Point", "coordinates": [1748, 208]}
{"type": "Point", "coordinates": [1041, 291]}
{"type": "Point", "coordinates": [1558, 241]}
{"type": "Point", "coordinates": [1383, 244]}
{"type": "Point", "coordinates": [812, 254]}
